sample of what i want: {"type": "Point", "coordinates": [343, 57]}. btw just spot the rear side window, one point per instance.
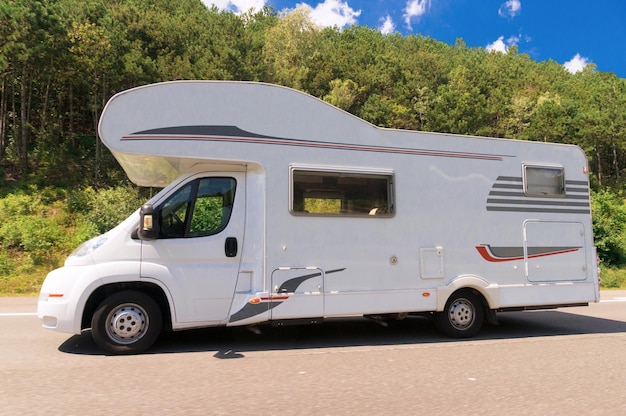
{"type": "Point", "coordinates": [544, 181]}
{"type": "Point", "coordinates": [330, 193]}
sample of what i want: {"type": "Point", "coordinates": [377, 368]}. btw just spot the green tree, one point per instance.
{"type": "Point", "coordinates": [459, 104]}
{"type": "Point", "coordinates": [289, 46]}
{"type": "Point", "coordinates": [609, 227]}
{"type": "Point", "coordinates": [342, 93]}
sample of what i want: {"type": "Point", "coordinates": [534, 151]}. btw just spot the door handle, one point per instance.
{"type": "Point", "coordinates": [230, 247]}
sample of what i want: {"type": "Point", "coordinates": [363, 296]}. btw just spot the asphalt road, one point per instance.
{"type": "Point", "coordinates": [563, 362]}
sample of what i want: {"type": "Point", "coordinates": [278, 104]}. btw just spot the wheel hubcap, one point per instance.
{"type": "Point", "coordinates": [461, 314]}
{"type": "Point", "coordinates": [127, 323]}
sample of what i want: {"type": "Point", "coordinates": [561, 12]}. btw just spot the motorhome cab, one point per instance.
{"type": "Point", "coordinates": [281, 208]}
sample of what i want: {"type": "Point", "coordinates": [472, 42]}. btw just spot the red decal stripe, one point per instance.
{"type": "Point", "coordinates": [274, 298]}
{"type": "Point", "coordinates": [488, 255]}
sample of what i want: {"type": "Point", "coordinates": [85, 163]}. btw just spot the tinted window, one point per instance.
{"type": "Point", "coordinates": [341, 193]}
{"type": "Point", "coordinates": [200, 208]}
{"type": "Point", "coordinates": [544, 181]}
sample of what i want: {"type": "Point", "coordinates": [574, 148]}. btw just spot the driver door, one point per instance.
{"type": "Point", "coordinates": [197, 252]}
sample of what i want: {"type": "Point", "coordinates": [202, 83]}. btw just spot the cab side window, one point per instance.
{"type": "Point", "coordinates": [200, 208]}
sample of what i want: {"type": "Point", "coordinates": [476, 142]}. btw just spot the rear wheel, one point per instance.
{"type": "Point", "coordinates": [126, 322]}
{"type": "Point", "coordinates": [463, 315]}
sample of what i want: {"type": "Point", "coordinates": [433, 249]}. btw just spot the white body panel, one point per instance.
{"type": "Point", "coordinates": [460, 218]}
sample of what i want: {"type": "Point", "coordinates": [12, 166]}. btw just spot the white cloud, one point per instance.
{"type": "Point", "coordinates": [328, 13]}
{"type": "Point", "coordinates": [576, 64]}
{"type": "Point", "coordinates": [237, 6]}
{"type": "Point", "coordinates": [387, 26]}
{"type": "Point", "coordinates": [332, 13]}
{"type": "Point", "coordinates": [497, 46]}
{"type": "Point", "coordinates": [513, 40]}
{"type": "Point", "coordinates": [414, 10]}
{"type": "Point", "coordinates": [510, 8]}
{"type": "Point", "coordinates": [501, 45]}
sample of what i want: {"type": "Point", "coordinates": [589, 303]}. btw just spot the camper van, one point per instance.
{"type": "Point", "coordinates": [279, 208]}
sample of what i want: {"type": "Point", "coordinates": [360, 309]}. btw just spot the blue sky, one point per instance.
{"type": "Point", "coordinates": [574, 33]}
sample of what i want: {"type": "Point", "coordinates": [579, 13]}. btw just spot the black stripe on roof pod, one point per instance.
{"type": "Point", "coordinates": [226, 131]}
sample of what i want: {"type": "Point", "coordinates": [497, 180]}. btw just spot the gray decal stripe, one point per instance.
{"type": "Point", "coordinates": [290, 286]}
{"type": "Point", "coordinates": [577, 190]}
{"type": "Point", "coordinates": [506, 186]}
{"type": "Point", "coordinates": [501, 254]}
{"type": "Point", "coordinates": [521, 195]}
{"type": "Point", "coordinates": [250, 310]}
{"type": "Point", "coordinates": [234, 134]}
{"type": "Point", "coordinates": [537, 202]}
{"type": "Point", "coordinates": [227, 131]}
{"type": "Point", "coordinates": [519, 179]}
{"type": "Point", "coordinates": [545, 210]}
{"type": "Point", "coordinates": [507, 195]}
{"type": "Point", "coordinates": [505, 252]}
{"type": "Point", "coordinates": [576, 186]}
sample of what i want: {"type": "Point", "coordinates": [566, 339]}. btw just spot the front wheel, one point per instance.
{"type": "Point", "coordinates": [462, 316]}
{"type": "Point", "coordinates": [126, 322]}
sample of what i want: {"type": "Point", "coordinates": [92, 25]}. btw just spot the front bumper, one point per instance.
{"type": "Point", "coordinates": [63, 296]}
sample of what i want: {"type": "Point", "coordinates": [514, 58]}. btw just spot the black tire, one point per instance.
{"type": "Point", "coordinates": [463, 315]}
{"type": "Point", "coordinates": [126, 322]}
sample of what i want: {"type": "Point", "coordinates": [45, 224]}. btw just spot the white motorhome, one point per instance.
{"type": "Point", "coordinates": [280, 208]}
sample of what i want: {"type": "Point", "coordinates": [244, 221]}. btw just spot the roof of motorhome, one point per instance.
{"type": "Point", "coordinates": [158, 131]}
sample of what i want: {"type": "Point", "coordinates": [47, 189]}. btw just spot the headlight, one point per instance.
{"type": "Point", "coordinates": [89, 247]}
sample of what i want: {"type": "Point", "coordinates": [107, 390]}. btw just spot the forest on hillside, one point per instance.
{"type": "Point", "coordinates": [61, 60]}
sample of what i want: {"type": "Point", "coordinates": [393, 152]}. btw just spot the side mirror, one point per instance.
{"type": "Point", "coordinates": [148, 223]}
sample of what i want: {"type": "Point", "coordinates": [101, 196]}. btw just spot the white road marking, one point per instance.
{"type": "Point", "coordinates": [618, 299]}
{"type": "Point", "coordinates": [18, 314]}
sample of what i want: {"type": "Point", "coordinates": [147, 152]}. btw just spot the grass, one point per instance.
{"type": "Point", "coordinates": [20, 275]}
{"type": "Point", "coordinates": [613, 278]}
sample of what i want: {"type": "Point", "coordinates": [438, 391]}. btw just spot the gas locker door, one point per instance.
{"type": "Point", "coordinates": [555, 251]}
{"type": "Point", "coordinates": [197, 253]}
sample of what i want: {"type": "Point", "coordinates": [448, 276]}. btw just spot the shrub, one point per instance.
{"type": "Point", "coordinates": [109, 207]}
{"type": "Point", "coordinates": [19, 204]}
{"type": "Point", "coordinates": [613, 278]}
{"type": "Point", "coordinates": [6, 264]}
{"type": "Point", "coordinates": [609, 227]}
{"type": "Point", "coordinates": [40, 227]}
{"type": "Point", "coordinates": [34, 235]}
{"type": "Point", "coordinates": [81, 200]}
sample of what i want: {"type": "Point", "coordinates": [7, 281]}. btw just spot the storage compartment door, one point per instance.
{"type": "Point", "coordinates": [554, 251]}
